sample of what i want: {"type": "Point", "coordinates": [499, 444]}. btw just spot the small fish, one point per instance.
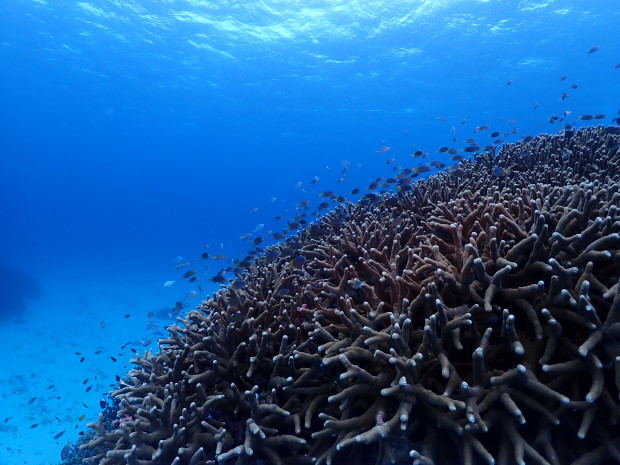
{"type": "Point", "coordinates": [443, 149]}
{"type": "Point", "coordinates": [89, 388]}
{"type": "Point", "coordinates": [220, 279]}
{"type": "Point", "coordinates": [592, 50]}
{"type": "Point", "coordinates": [245, 236]}
{"type": "Point", "coordinates": [253, 210]}
{"type": "Point", "coordinates": [314, 181]}
{"type": "Point", "coordinates": [168, 283]}
{"type": "Point", "coordinates": [34, 425]}
{"type": "Point", "coordinates": [64, 453]}
{"type": "Point", "coordinates": [382, 149]}
{"type": "Point", "coordinates": [509, 82]}
{"type": "Point", "coordinates": [85, 381]}
{"type": "Point", "coordinates": [599, 116]}
{"type": "Point", "coordinates": [390, 160]}
{"type": "Point", "coordinates": [82, 416]}
{"type": "Point", "coordinates": [82, 359]}
{"type": "Point", "coordinates": [259, 227]}
{"type": "Point", "coordinates": [102, 403]}
{"type": "Point", "coordinates": [417, 154]}
{"type": "Point", "coordinates": [441, 118]}
{"type": "Point", "coordinates": [190, 295]}
{"type": "Point", "coordinates": [423, 169]}
{"type": "Point", "coordinates": [297, 184]}
{"type": "Point", "coordinates": [357, 284]}
{"type": "Point", "coordinates": [573, 86]}
{"type": "Point", "coordinates": [189, 273]}
{"type": "Point", "coordinates": [298, 261]}
{"type": "Point", "coordinates": [564, 95]}
{"type": "Point", "coordinates": [471, 148]}
{"type": "Point", "coordinates": [494, 134]}
{"type": "Point", "coordinates": [355, 191]}
{"type": "Point", "coordinates": [437, 164]}
{"type": "Point", "coordinates": [113, 359]}
{"type": "Point", "coordinates": [238, 284]}
{"type": "Point", "coordinates": [481, 128]}
{"type": "Point", "coordinates": [102, 324]}
{"type": "Point", "coordinates": [499, 171]}
{"type": "Point", "coordinates": [535, 105]}
{"type": "Point", "coordinates": [463, 121]}
{"type": "Point", "coordinates": [617, 65]}
{"type": "Point", "coordinates": [31, 401]}
{"type": "Point", "coordinates": [193, 279]}
{"type": "Point", "coordinates": [152, 325]}
{"type": "Point", "coordinates": [457, 158]}
{"type": "Point", "coordinates": [586, 117]}
{"type": "Point", "coordinates": [258, 240]}
{"type": "Point", "coordinates": [563, 78]}
{"type": "Point", "coordinates": [205, 255]}
{"type": "Point", "coordinates": [127, 316]}
{"type": "Point", "coordinates": [182, 265]}
{"type": "Point", "coordinates": [58, 435]}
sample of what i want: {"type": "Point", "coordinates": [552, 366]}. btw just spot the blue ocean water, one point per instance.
{"type": "Point", "coordinates": [137, 135]}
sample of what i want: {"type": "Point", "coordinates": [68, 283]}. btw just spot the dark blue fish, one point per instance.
{"type": "Point", "coordinates": [273, 255]}
{"type": "Point", "coordinates": [238, 284]}
{"type": "Point", "coordinates": [298, 261]}
{"type": "Point", "coordinates": [64, 453]}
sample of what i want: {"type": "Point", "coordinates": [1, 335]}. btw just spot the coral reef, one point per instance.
{"type": "Point", "coordinates": [75, 454]}
{"type": "Point", "coordinates": [473, 319]}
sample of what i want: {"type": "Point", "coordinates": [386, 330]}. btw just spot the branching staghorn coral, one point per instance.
{"type": "Point", "coordinates": [473, 319]}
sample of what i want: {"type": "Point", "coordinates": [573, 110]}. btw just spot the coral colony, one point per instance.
{"type": "Point", "coordinates": [473, 319]}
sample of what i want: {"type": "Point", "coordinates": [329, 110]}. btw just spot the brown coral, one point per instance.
{"type": "Point", "coordinates": [472, 319]}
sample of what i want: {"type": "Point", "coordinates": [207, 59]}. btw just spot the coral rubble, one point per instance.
{"type": "Point", "coordinates": [473, 319]}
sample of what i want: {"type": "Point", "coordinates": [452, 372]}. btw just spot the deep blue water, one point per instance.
{"type": "Point", "coordinates": [135, 132]}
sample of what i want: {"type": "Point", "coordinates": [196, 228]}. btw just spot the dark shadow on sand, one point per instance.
{"type": "Point", "coordinates": [16, 288]}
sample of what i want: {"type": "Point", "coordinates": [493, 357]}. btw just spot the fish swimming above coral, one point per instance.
{"type": "Point", "coordinates": [472, 319]}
